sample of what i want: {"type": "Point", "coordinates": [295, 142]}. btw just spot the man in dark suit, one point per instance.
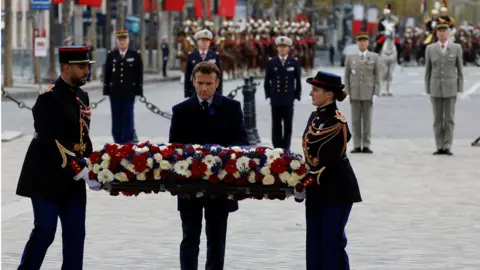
{"type": "Point", "coordinates": [206, 118]}
{"type": "Point", "coordinates": [282, 85]}
{"type": "Point", "coordinates": [165, 53]}
{"type": "Point", "coordinates": [203, 38]}
{"type": "Point", "coordinates": [54, 172]}
{"type": "Point", "coordinates": [123, 81]}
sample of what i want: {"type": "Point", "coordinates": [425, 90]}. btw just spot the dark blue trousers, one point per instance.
{"type": "Point", "coordinates": [122, 119]}
{"type": "Point", "coordinates": [46, 214]}
{"type": "Point", "coordinates": [326, 238]}
{"type": "Point", "coordinates": [216, 216]}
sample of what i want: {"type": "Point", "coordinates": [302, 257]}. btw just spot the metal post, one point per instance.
{"type": "Point", "coordinates": [253, 86]}
{"type": "Point", "coordinates": [248, 99]}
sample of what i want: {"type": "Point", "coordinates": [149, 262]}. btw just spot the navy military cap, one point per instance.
{"type": "Point", "coordinates": [74, 55]}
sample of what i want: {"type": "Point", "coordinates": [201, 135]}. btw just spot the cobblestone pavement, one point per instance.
{"type": "Point", "coordinates": [419, 211]}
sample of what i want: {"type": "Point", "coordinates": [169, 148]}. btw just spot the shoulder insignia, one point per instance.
{"type": "Point", "coordinates": [296, 58]}
{"type": "Point", "coordinates": [49, 89]}
{"type": "Point", "coordinates": [340, 116]}
{"type": "Point", "coordinates": [269, 58]}
{"type": "Point", "coordinates": [217, 53]}
{"type": "Point", "coordinates": [108, 51]}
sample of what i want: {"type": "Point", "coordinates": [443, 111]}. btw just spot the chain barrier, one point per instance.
{"type": "Point", "coordinates": [20, 104]}
{"type": "Point", "coordinates": [154, 109]}
{"type": "Point", "coordinates": [234, 92]}
{"type": "Point", "coordinates": [95, 104]}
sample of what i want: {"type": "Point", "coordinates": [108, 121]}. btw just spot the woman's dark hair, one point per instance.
{"type": "Point", "coordinates": [340, 96]}
{"type": "Point", "coordinates": [206, 67]}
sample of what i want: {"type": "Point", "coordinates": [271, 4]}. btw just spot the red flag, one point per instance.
{"type": "Point", "coordinates": [199, 8]}
{"type": "Point", "coordinates": [227, 8]}
{"type": "Point", "coordinates": [173, 5]}
{"type": "Point", "coordinates": [90, 3]}
{"type": "Point", "coordinates": [57, 1]}
{"type": "Point", "coordinates": [146, 5]}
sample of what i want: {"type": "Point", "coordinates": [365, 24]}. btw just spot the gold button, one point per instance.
{"type": "Point", "coordinates": [121, 64]}
{"type": "Point", "coordinates": [121, 69]}
{"type": "Point", "coordinates": [121, 81]}
{"type": "Point", "coordinates": [121, 75]}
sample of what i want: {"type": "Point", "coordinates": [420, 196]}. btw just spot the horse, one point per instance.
{"type": "Point", "coordinates": [185, 46]}
{"type": "Point", "coordinates": [388, 55]}
{"type": "Point", "coordinates": [228, 57]}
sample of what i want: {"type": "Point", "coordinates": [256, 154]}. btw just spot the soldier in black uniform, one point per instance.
{"type": "Point", "coordinates": [165, 54]}
{"type": "Point", "coordinates": [333, 187]}
{"type": "Point", "coordinates": [203, 38]}
{"type": "Point", "coordinates": [282, 85]}
{"type": "Point", "coordinates": [54, 172]}
{"type": "Point", "coordinates": [123, 81]}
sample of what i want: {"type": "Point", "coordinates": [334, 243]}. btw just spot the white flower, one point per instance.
{"type": "Point", "coordinates": [105, 164]}
{"type": "Point", "coordinates": [293, 180]}
{"type": "Point", "coordinates": [121, 176]}
{"type": "Point", "coordinates": [156, 174]}
{"type": "Point", "coordinates": [295, 164]}
{"type": "Point", "coordinates": [105, 176]}
{"type": "Point", "coordinates": [242, 163]}
{"type": "Point", "coordinates": [271, 155]}
{"type": "Point", "coordinates": [150, 162]}
{"type": "Point", "coordinates": [236, 175]}
{"type": "Point", "coordinates": [124, 162]}
{"type": "Point", "coordinates": [217, 159]}
{"type": "Point", "coordinates": [236, 148]}
{"type": "Point", "coordinates": [189, 160]}
{"type": "Point", "coordinates": [278, 150]}
{"type": "Point", "coordinates": [158, 157]}
{"type": "Point", "coordinates": [265, 171]}
{"type": "Point", "coordinates": [257, 161]}
{"type": "Point", "coordinates": [130, 168]}
{"type": "Point", "coordinates": [199, 194]}
{"type": "Point", "coordinates": [181, 167]}
{"type": "Point", "coordinates": [142, 150]}
{"type": "Point", "coordinates": [163, 147]}
{"type": "Point", "coordinates": [209, 160]}
{"type": "Point", "coordinates": [165, 165]}
{"type": "Point", "coordinates": [105, 157]}
{"type": "Point", "coordinates": [268, 180]}
{"type": "Point", "coordinates": [284, 177]}
{"type": "Point", "coordinates": [141, 177]}
{"type": "Point", "coordinates": [179, 151]}
{"type": "Point", "coordinates": [251, 177]}
{"type": "Point", "coordinates": [196, 146]}
{"type": "Point", "coordinates": [233, 156]}
{"type": "Point", "coordinates": [222, 174]}
{"type": "Point", "coordinates": [96, 168]}
{"type": "Point", "coordinates": [207, 175]}
{"type": "Point", "coordinates": [188, 174]}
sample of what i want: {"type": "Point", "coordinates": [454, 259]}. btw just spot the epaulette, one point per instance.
{"type": "Point", "coordinates": [108, 51]}
{"type": "Point", "coordinates": [296, 58]}
{"type": "Point", "coordinates": [217, 53]}
{"type": "Point", "coordinates": [269, 58]}
{"type": "Point", "coordinates": [340, 116]}
{"type": "Point", "coordinates": [49, 89]}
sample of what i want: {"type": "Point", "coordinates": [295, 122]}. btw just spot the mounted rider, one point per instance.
{"type": "Point", "coordinates": [387, 18]}
{"type": "Point", "coordinates": [430, 24]}
{"type": "Point", "coordinates": [444, 18]}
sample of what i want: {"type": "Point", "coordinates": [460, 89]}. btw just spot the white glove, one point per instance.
{"type": "Point", "coordinates": [462, 96]}
{"type": "Point", "coordinates": [374, 98]}
{"type": "Point", "coordinates": [93, 184]}
{"type": "Point", "coordinates": [300, 195]}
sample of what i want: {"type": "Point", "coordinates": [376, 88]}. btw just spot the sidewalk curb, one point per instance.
{"type": "Point", "coordinates": [30, 92]}
{"type": "Point", "coordinates": [10, 135]}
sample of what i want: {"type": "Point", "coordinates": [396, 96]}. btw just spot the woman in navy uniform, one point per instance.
{"type": "Point", "coordinates": [54, 171]}
{"type": "Point", "coordinates": [334, 188]}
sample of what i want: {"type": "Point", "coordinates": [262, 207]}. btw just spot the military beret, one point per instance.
{"type": "Point", "coordinates": [203, 34]}
{"type": "Point", "coordinates": [121, 33]}
{"type": "Point", "coordinates": [283, 40]}
{"type": "Point", "coordinates": [441, 26]}
{"type": "Point", "coordinates": [362, 36]}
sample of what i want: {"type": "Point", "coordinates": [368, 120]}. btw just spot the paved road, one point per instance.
{"type": "Point", "coordinates": [419, 211]}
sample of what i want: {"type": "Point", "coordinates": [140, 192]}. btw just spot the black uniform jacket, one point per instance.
{"type": "Point", "coordinates": [283, 82]}
{"type": "Point", "coordinates": [61, 117]}
{"type": "Point", "coordinates": [123, 76]}
{"type": "Point", "coordinates": [193, 59]}
{"type": "Point", "coordinates": [324, 145]}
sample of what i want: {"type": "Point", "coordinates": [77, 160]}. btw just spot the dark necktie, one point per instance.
{"type": "Point", "coordinates": [204, 104]}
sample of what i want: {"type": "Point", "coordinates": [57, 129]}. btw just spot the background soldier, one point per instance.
{"type": "Point", "coordinates": [362, 80]}
{"type": "Point", "coordinates": [165, 52]}
{"type": "Point", "coordinates": [123, 81]}
{"type": "Point", "coordinates": [282, 85]}
{"type": "Point", "coordinates": [387, 16]}
{"type": "Point", "coordinates": [430, 27]}
{"type": "Point", "coordinates": [203, 53]}
{"type": "Point", "coordinates": [443, 81]}
{"type": "Point", "coordinates": [54, 172]}
{"type": "Point", "coordinates": [445, 19]}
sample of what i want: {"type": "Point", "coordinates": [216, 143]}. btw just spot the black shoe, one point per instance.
{"type": "Point", "coordinates": [356, 150]}
{"type": "Point", "coordinates": [439, 152]}
{"type": "Point", "coordinates": [367, 150]}
{"type": "Point", "coordinates": [447, 152]}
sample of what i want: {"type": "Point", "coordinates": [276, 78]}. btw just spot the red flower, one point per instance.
{"type": "Point", "coordinates": [125, 152]}
{"type": "Point", "coordinates": [239, 154]}
{"type": "Point", "coordinates": [252, 165]}
{"type": "Point", "coordinates": [190, 149]}
{"type": "Point", "coordinates": [213, 179]}
{"type": "Point", "coordinates": [180, 177]}
{"type": "Point", "coordinates": [178, 157]}
{"type": "Point", "coordinates": [139, 163]}
{"type": "Point", "coordinates": [302, 170]}
{"type": "Point", "coordinates": [198, 168]}
{"type": "Point", "coordinates": [94, 157]}
{"type": "Point", "coordinates": [228, 179]}
{"type": "Point", "coordinates": [221, 154]}
{"type": "Point", "coordinates": [129, 175]}
{"type": "Point", "coordinates": [167, 151]}
{"type": "Point", "coordinates": [111, 149]}
{"type": "Point", "coordinates": [279, 166]}
{"type": "Point", "coordinates": [140, 145]}
{"type": "Point", "coordinates": [154, 149]}
{"type": "Point", "coordinates": [128, 193]}
{"type": "Point", "coordinates": [259, 177]}
{"type": "Point", "coordinates": [206, 152]}
{"type": "Point", "coordinates": [260, 151]}
{"type": "Point", "coordinates": [92, 175]}
{"type": "Point", "coordinates": [231, 166]}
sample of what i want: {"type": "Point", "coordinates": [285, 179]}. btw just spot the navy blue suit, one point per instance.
{"type": "Point", "coordinates": [123, 81]}
{"type": "Point", "coordinates": [282, 85]}
{"type": "Point", "coordinates": [165, 53]}
{"type": "Point", "coordinates": [221, 124]}
{"type": "Point", "coordinates": [194, 58]}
